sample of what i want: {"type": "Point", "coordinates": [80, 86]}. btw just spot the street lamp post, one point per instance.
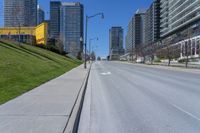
{"type": "Point", "coordinates": [81, 42]}
{"type": "Point", "coordinates": [86, 28]}
{"type": "Point", "coordinates": [90, 45]}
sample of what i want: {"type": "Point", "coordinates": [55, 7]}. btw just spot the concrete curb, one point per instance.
{"type": "Point", "coordinates": [74, 117]}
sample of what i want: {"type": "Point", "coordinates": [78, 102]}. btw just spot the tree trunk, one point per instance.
{"type": "Point", "coordinates": [168, 54]}
{"type": "Point", "coordinates": [152, 58]}
{"type": "Point", "coordinates": [189, 43]}
{"type": "Point", "coordinates": [186, 62]}
{"type": "Point", "coordinates": [144, 59]}
{"type": "Point", "coordinates": [132, 57]}
{"type": "Point", "coordinates": [169, 62]}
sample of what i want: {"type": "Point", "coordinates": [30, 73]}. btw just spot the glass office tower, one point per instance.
{"type": "Point", "coordinates": [20, 12]}
{"type": "Point", "coordinates": [135, 37]}
{"type": "Point", "coordinates": [71, 27]}
{"type": "Point", "coordinates": [116, 43]}
{"type": "Point", "coordinates": [40, 15]}
{"type": "Point", "coordinates": [55, 19]}
{"type": "Point", "coordinates": [152, 23]}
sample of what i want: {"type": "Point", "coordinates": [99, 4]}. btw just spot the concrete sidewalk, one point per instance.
{"type": "Point", "coordinates": [190, 65]}
{"type": "Point", "coordinates": [46, 109]}
{"type": "Point", "coordinates": [173, 68]}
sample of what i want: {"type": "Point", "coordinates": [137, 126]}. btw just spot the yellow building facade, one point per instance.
{"type": "Point", "coordinates": [39, 33]}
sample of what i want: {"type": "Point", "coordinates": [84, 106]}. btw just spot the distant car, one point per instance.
{"type": "Point", "coordinates": [104, 59]}
{"type": "Point", "coordinates": [123, 59]}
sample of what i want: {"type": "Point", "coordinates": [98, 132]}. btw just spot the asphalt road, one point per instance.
{"type": "Point", "coordinates": [126, 98]}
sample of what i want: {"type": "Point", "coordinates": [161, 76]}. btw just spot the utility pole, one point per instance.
{"type": "Point", "coordinates": [86, 25]}
{"type": "Point", "coordinates": [90, 45]}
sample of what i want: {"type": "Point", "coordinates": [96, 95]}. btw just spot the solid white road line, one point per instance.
{"type": "Point", "coordinates": [186, 112]}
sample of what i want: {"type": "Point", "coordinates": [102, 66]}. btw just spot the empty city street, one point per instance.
{"type": "Point", "coordinates": [128, 98]}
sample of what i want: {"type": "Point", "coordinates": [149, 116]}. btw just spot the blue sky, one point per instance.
{"type": "Point", "coordinates": [117, 13]}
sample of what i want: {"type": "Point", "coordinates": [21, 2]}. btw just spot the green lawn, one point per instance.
{"type": "Point", "coordinates": [26, 67]}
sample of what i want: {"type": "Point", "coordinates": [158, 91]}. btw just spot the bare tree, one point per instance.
{"type": "Point", "coordinates": [168, 55]}
{"type": "Point", "coordinates": [152, 51]}
{"type": "Point", "coordinates": [74, 48]}
{"type": "Point", "coordinates": [142, 52]}
{"type": "Point", "coordinates": [165, 50]}
{"type": "Point", "coordinates": [148, 50]}
{"type": "Point", "coordinates": [93, 56]}
{"type": "Point", "coordinates": [79, 56]}
{"type": "Point", "coordinates": [169, 48]}
{"type": "Point", "coordinates": [187, 54]}
{"type": "Point", "coordinates": [59, 45]}
{"type": "Point", "coordinates": [31, 38]}
{"type": "Point", "coordinates": [188, 47]}
{"type": "Point", "coordinates": [137, 51]}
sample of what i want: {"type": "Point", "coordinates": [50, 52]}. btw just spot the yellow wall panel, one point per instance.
{"type": "Point", "coordinates": [40, 32]}
{"type": "Point", "coordinates": [15, 31]}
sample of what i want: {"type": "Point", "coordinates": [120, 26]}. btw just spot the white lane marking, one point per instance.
{"type": "Point", "coordinates": [184, 111]}
{"type": "Point", "coordinates": [106, 73]}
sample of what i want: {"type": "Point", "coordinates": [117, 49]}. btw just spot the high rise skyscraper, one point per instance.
{"type": "Point", "coordinates": [116, 43]}
{"type": "Point", "coordinates": [135, 37]}
{"type": "Point", "coordinates": [55, 19]}
{"type": "Point", "coordinates": [20, 13]}
{"type": "Point", "coordinates": [40, 15]}
{"type": "Point", "coordinates": [180, 26]}
{"type": "Point", "coordinates": [71, 27]}
{"type": "Point", "coordinates": [152, 23]}
{"type": "Point", "coordinates": [175, 15]}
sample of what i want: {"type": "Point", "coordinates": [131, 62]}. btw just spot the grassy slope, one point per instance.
{"type": "Point", "coordinates": [26, 67]}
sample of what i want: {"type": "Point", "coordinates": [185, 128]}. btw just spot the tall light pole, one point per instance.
{"type": "Point", "coordinates": [96, 38]}
{"type": "Point", "coordinates": [86, 28]}
{"type": "Point", "coordinates": [81, 42]}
